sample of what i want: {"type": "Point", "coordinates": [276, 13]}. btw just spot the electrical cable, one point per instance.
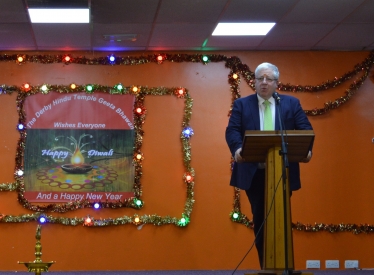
{"type": "Point", "coordinates": [267, 215]}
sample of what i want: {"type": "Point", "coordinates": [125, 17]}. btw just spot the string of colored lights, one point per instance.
{"type": "Point", "coordinates": [237, 70]}
{"type": "Point", "coordinates": [135, 202]}
{"type": "Point", "coordinates": [234, 63]}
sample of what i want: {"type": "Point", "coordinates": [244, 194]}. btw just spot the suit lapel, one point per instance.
{"type": "Point", "coordinates": [253, 104]}
{"type": "Point", "coordinates": [276, 126]}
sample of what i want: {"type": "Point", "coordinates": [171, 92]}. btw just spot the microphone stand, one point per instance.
{"type": "Point", "coordinates": [284, 153]}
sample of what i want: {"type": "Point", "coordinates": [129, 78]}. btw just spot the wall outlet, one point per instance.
{"type": "Point", "coordinates": [332, 263]}
{"type": "Point", "coordinates": [351, 264]}
{"type": "Point", "coordinates": [313, 264]}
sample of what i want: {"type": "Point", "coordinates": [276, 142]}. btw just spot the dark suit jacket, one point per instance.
{"type": "Point", "coordinates": [245, 116]}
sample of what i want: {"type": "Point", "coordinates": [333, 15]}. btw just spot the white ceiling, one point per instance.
{"type": "Point", "coordinates": [179, 25]}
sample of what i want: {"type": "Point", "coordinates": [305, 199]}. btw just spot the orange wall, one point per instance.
{"type": "Point", "coordinates": [337, 183]}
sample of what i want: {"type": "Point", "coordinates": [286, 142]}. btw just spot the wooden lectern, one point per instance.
{"type": "Point", "coordinates": [265, 146]}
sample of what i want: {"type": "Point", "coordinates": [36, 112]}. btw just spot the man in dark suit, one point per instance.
{"type": "Point", "coordinates": [248, 113]}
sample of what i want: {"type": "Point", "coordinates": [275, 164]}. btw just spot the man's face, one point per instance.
{"type": "Point", "coordinates": [268, 85]}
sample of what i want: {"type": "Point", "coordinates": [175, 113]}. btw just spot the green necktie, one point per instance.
{"type": "Point", "coordinates": [268, 119]}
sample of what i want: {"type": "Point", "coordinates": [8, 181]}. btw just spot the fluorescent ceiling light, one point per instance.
{"type": "Point", "coordinates": [233, 29]}
{"type": "Point", "coordinates": [59, 15]}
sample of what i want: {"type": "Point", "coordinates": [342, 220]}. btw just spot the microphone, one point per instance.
{"type": "Point", "coordinates": [276, 96]}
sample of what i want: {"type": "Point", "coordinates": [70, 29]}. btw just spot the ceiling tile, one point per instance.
{"type": "Point", "coordinates": [180, 35]}
{"type": "Point", "coordinates": [128, 11]}
{"type": "Point", "coordinates": [256, 11]}
{"type": "Point", "coordinates": [141, 31]}
{"type": "Point", "coordinates": [321, 11]}
{"type": "Point", "coordinates": [237, 43]}
{"type": "Point", "coordinates": [13, 11]}
{"type": "Point", "coordinates": [295, 35]}
{"type": "Point", "coordinates": [363, 14]}
{"type": "Point", "coordinates": [191, 11]}
{"type": "Point", "coordinates": [16, 37]}
{"type": "Point", "coordinates": [339, 40]}
{"type": "Point", "coordinates": [68, 36]}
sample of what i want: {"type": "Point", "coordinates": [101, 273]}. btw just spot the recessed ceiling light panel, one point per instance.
{"type": "Point", "coordinates": [59, 15]}
{"type": "Point", "coordinates": [237, 29]}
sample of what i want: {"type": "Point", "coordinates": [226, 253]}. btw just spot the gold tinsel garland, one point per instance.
{"type": "Point", "coordinates": [233, 63]}
{"type": "Point", "coordinates": [363, 68]}
{"type": "Point", "coordinates": [139, 119]}
{"type": "Point", "coordinates": [237, 69]}
{"type": "Point", "coordinates": [237, 216]}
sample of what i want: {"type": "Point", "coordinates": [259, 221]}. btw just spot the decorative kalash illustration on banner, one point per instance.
{"type": "Point", "coordinates": [79, 147]}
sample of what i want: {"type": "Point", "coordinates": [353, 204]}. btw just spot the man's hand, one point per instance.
{"type": "Point", "coordinates": [238, 158]}
{"type": "Point", "coordinates": [308, 157]}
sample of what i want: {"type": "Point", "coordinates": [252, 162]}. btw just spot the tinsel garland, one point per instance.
{"type": "Point", "coordinates": [237, 216]}
{"type": "Point", "coordinates": [145, 219]}
{"type": "Point", "coordinates": [233, 63]}
{"type": "Point", "coordinates": [317, 227]}
{"type": "Point", "coordinates": [9, 186]}
{"type": "Point", "coordinates": [139, 119]}
{"type": "Point", "coordinates": [237, 69]}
